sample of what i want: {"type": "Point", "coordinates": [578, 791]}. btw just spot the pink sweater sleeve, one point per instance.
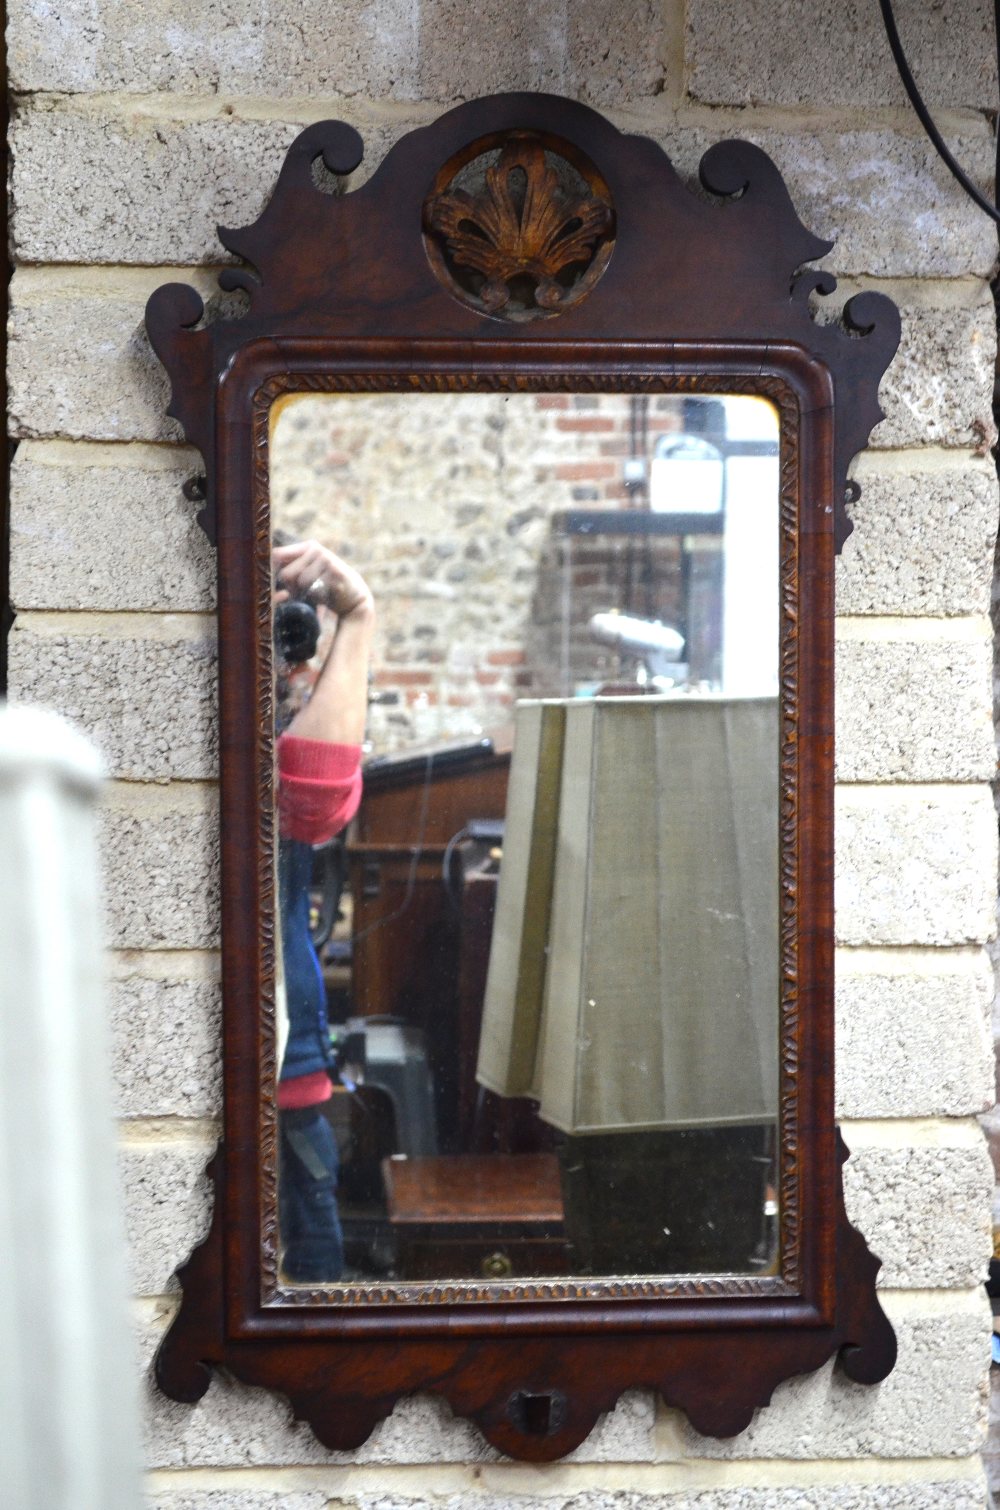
{"type": "Point", "coordinates": [319, 787]}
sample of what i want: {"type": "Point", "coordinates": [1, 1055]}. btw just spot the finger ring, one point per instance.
{"type": "Point", "coordinates": [318, 589]}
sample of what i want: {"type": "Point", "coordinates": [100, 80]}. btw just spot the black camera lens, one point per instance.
{"type": "Point", "coordinates": [296, 632]}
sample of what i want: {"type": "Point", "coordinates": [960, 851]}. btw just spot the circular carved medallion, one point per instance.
{"type": "Point", "coordinates": [519, 226]}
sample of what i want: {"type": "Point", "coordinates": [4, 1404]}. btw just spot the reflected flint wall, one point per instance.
{"type": "Point", "coordinates": [482, 596]}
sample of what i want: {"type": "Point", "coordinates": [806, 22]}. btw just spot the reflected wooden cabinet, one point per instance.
{"type": "Point", "coordinates": [419, 944]}
{"type": "Point", "coordinates": [483, 1215]}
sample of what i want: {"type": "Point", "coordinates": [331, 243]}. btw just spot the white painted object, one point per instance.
{"type": "Point", "coordinates": [660, 645]}
{"type": "Point", "coordinates": [685, 476]}
{"type": "Point", "coordinates": [69, 1422]}
{"type": "Point", "coordinates": [751, 625]}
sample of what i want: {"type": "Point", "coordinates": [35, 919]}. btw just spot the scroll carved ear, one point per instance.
{"type": "Point", "coordinates": [187, 353]}
{"type": "Point", "coordinates": [734, 168]}
{"type": "Point", "coordinates": [174, 304]}
{"type": "Point", "coordinates": [170, 312]}
{"type": "Point", "coordinates": [813, 281]}
{"type": "Point", "coordinates": [870, 1362]}
{"type": "Point", "coordinates": [339, 145]}
{"type": "Point", "coordinates": [865, 340]}
{"type": "Point", "coordinates": [869, 313]}
{"type": "Point", "coordinates": [868, 1353]}
{"type": "Point", "coordinates": [868, 339]}
{"type": "Point", "coordinates": [186, 1357]}
{"type": "Point", "coordinates": [341, 150]}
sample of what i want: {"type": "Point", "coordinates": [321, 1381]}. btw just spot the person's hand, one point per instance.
{"type": "Point", "coordinates": [307, 569]}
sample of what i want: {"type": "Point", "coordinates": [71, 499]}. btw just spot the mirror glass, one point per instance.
{"type": "Point", "coordinates": [526, 671]}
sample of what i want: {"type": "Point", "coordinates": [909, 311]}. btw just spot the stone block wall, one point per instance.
{"type": "Point", "coordinates": [135, 132]}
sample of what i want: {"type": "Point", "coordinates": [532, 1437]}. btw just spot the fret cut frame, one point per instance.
{"type": "Point", "coordinates": [610, 275]}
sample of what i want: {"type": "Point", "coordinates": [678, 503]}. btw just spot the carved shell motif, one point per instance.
{"type": "Point", "coordinates": [524, 225]}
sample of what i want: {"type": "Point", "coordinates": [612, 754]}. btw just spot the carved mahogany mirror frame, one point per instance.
{"type": "Point", "coordinates": [630, 280]}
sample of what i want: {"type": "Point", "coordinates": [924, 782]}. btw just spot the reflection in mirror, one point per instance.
{"type": "Point", "coordinates": [528, 832]}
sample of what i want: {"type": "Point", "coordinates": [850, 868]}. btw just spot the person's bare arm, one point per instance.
{"type": "Point", "coordinates": [337, 709]}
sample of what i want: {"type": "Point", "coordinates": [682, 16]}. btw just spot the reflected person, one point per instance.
{"type": "Point", "coordinates": [321, 706]}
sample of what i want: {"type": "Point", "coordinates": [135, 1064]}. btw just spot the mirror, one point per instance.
{"type": "Point", "coordinates": [532, 984]}
{"type": "Point", "coordinates": [526, 464]}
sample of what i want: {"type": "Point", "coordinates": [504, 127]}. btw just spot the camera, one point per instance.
{"type": "Point", "coordinates": [296, 631]}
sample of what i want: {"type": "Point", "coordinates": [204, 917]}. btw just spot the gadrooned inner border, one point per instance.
{"type": "Point", "coordinates": [391, 1295]}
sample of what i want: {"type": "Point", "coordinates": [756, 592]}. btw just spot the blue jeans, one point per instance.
{"type": "Point", "coordinates": [311, 1238]}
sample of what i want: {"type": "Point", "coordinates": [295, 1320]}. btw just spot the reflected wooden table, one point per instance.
{"type": "Point", "coordinates": [477, 1216]}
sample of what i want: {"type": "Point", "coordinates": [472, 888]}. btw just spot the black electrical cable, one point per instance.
{"type": "Point", "coordinates": [924, 115]}
{"type": "Point", "coordinates": [453, 901]}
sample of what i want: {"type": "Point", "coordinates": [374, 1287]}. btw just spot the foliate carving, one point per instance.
{"type": "Point", "coordinates": [530, 242]}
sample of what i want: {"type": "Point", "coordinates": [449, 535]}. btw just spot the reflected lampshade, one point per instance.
{"type": "Point", "coordinates": [634, 971]}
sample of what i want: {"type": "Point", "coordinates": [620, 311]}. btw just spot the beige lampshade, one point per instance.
{"type": "Point", "coordinates": [634, 973]}
{"type": "Point", "coordinates": [515, 985]}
